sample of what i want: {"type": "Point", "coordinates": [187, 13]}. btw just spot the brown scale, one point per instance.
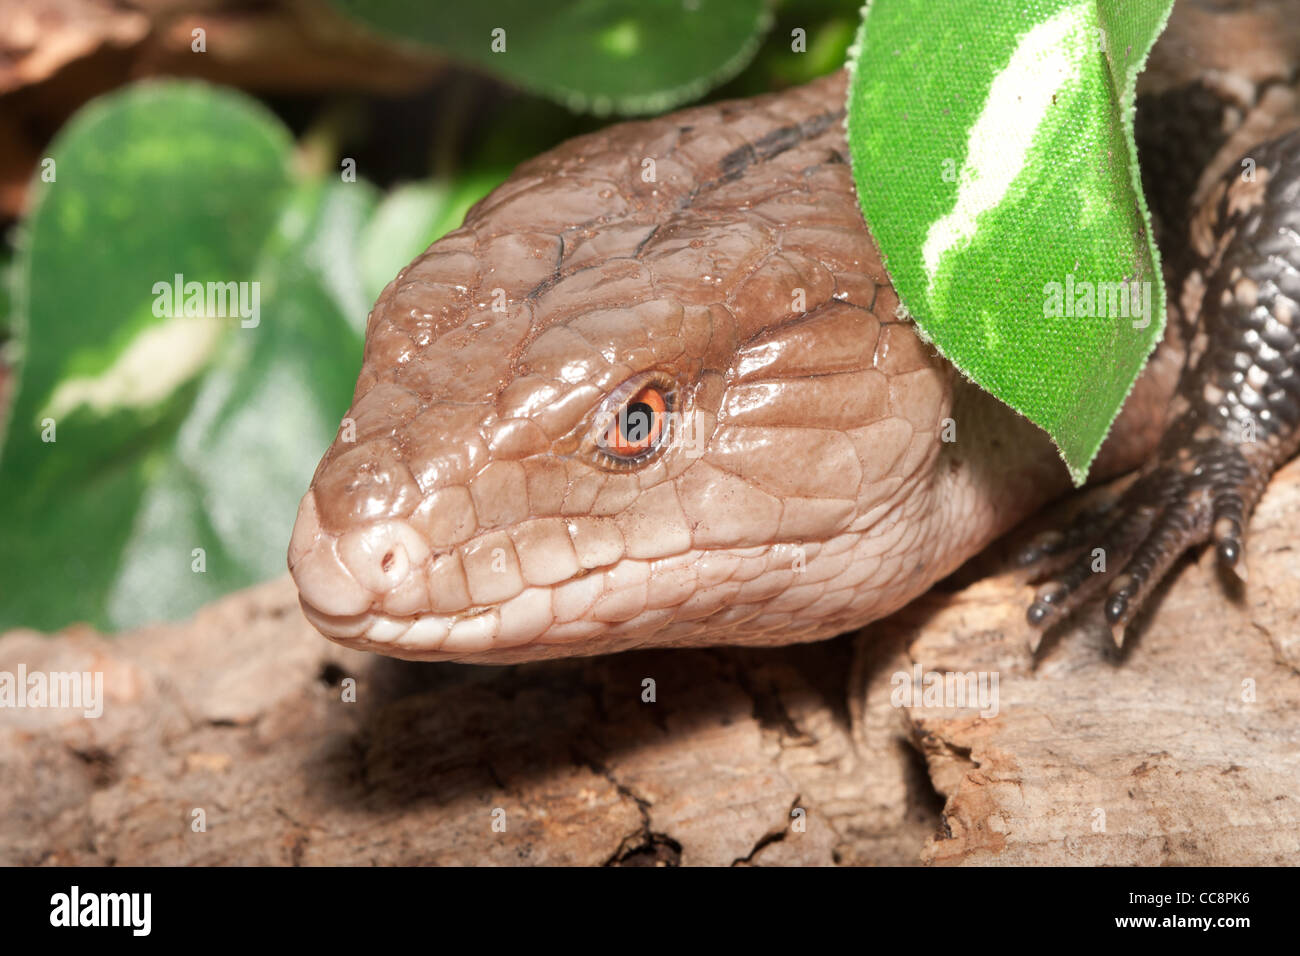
{"type": "Point", "coordinates": [477, 431]}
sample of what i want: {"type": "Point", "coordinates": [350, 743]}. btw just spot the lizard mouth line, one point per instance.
{"type": "Point", "coordinates": [525, 619]}
{"type": "Point", "coordinates": [475, 629]}
{"type": "Point", "coordinates": [613, 599]}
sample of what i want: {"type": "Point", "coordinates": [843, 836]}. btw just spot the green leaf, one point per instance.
{"type": "Point", "coordinates": [230, 478]}
{"type": "Point", "coordinates": [602, 56]}
{"type": "Point", "coordinates": [997, 170]}
{"type": "Point", "coordinates": [172, 433]}
{"type": "Point", "coordinates": [6, 293]}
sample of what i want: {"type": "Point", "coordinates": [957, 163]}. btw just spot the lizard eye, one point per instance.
{"type": "Point", "coordinates": [638, 421]}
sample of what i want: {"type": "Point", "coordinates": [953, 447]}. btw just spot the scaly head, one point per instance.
{"type": "Point", "coordinates": [653, 392]}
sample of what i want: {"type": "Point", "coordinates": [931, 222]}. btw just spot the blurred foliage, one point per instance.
{"type": "Point", "coordinates": [601, 56]}
{"type": "Point", "coordinates": [7, 293]}
{"type": "Point", "coordinates": [828, 29]}
{"type": "Point", "coordinates": [159, 180]}
{"type": "Point", "coordinates": [177, 434]}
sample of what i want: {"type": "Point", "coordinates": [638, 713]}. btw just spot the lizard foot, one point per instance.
{"type": "Point", "coordinates": [1200, 491]}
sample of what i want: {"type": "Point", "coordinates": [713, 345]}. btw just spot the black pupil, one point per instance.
{"type": "Point", "coordinates": [637, 422]}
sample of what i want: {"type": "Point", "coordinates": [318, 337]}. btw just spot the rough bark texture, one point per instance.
{"type": "Point", "coordinates": [1156, 755]}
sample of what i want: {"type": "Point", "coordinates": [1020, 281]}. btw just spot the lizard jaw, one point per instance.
{"type": "Point", "coordinates": [367, 588]}
{"type": "Point", "coordinates": [373, 587]}
{"type": "Point", "coordinates": [429, 636]}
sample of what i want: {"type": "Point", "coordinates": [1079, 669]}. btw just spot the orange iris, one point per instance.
{"type": "Point", "coordinates": [637, 426]}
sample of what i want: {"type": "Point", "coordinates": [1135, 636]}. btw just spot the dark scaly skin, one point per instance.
{"type": "Point", "coordinates": [820, 427]}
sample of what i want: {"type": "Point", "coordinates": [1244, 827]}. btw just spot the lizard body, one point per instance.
{"type": "Point", "coordinates": [614, 411]}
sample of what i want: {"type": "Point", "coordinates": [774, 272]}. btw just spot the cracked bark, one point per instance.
{"type": "Point", "coordinates": [240, 712]}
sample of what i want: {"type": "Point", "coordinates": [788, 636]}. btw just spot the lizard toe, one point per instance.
{"type": "Point", "coordinates": [1194, 494]}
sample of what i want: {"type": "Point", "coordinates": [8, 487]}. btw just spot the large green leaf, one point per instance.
{"type": "Point", "coordinates": [627, 56]}
{"type": "Point", "coordinates": [994, 157]}
{"type": "Point", "coordinates": [171, 433]}
{"type": "Point", "coordinates": [159, 181]}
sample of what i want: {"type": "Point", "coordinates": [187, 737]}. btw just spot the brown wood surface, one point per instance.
{"type": "Point", "coordinates": [239, 712]}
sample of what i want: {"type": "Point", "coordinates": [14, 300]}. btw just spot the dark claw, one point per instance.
{"type": "Point", "coordinates": [1051, 593]}
{"type": "Point", "coordinates": [1163, 514]}
{"type": "Point", "coordinates": [1043, 546]}
{"type": "Point", "coordinates": [1116, 605]}
{"type": "Point", "coordinates": [1037, 614]}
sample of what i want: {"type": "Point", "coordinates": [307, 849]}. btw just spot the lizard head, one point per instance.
{"type": "Point", "coordinates": [652, 391]}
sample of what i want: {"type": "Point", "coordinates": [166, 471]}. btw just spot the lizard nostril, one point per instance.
{"type": "Point", "coordinates": [382, 556]}
{"type": "Point", "coordinates": [393, 565]}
